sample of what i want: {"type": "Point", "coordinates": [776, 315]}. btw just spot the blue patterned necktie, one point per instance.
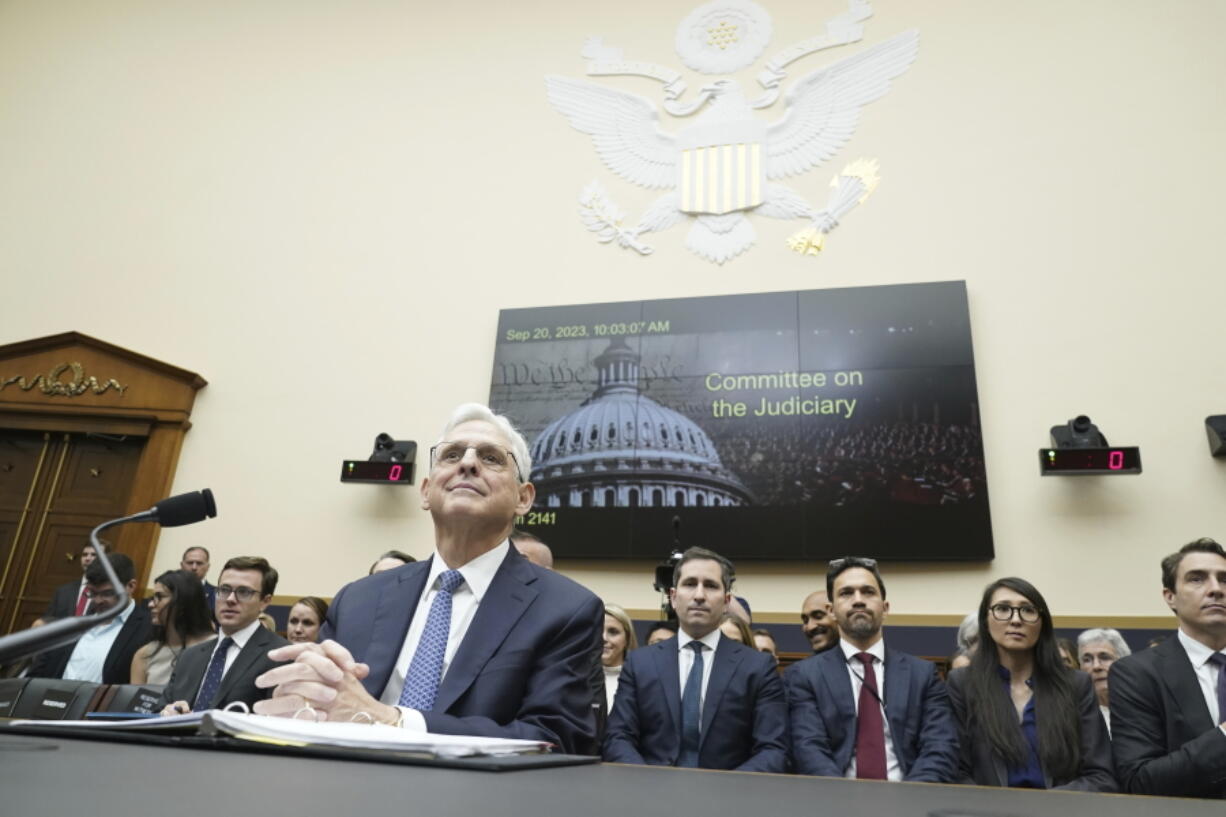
{"type": "Point", "coordinates": [421, 682]}
{"type": "Point", "coordinates": [1220, 660]}
{"type": "Point", "coordinates": [213, 676]}
{"type": "Point", "coordinates": [691, 710]}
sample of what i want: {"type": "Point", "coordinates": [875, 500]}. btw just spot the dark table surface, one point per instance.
{"type": "Point", "coordinates": [64, 776]}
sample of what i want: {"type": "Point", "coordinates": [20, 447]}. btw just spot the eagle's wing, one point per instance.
{"type": "Point", "coordinates": [824, 106]}
{"type": "Point", "coordinates": [624, 128]}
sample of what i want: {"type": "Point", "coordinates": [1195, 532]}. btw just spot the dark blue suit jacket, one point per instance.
{"type": "Point", "coordinates": [744, 714]}
{"type": "Point", "coordinates": [1164, 740]}
{"type": "Point", "coordinates": [523, 668]}
{"type": "Point", "coordinates": [823, 716]}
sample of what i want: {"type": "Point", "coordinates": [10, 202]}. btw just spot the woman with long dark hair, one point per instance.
{"type": "Point", "coordinates": [181, 618]}
{"type": "Point", "coordinates": [1025, 719]}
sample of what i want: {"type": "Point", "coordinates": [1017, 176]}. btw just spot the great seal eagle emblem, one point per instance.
{"type": "Point", "coordinates": [727, 161]}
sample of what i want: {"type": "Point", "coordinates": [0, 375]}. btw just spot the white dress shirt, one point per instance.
{"type": "Point", "coordinates": [89, 655]}
{"type": "Point", "coordinates": [685, 660]}
{"type": "Point", "coordinates": [1206, 673]}
{"type": "Point", "coordinates": [240, 640]}
{"type": "Point", "coordinates": [893, 770]}
{"type": "Point", "coordinates": [611, 676]}
{"type": "Point", "coordinates": [478, 574]}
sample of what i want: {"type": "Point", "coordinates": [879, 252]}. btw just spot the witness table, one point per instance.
{"type": "Point", "coordinates": [56, 776]}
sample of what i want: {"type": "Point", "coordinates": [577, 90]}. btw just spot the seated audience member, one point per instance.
{"type": "Point", "coordinates": [739, 607]}
{"type": "Point", "coordinates": [734, 627]}
{"type": "Point", "coordinates": [817, 621]}
{"type": "Point", "coordinates": [968, 639]}
{"type": "Point", "coordinates": [1168, 703]}
{"type": "Point", "coordinates": [533, 549]}
{"type": "Point", "coordinates": [1068, 653]}
{"type": "Point", "coordinates": [71, 599]}
{"type": "Point", "coordinates": [181, 619]}
{"type": "Point", "coordinates": [268, 622]}
{"type": "Point", "coordinates": [389, 561]}
{"type": "Point", "coordinates": [476, 640]}
{"type": "Point", "coordinates": [842, 725]}
{"type": "Point", "coordinates": [104, 654]}
{"type": "Point", "coordinates": [700, 699]}
{"type": "Point", "coordinates": [661, 631]}
{"type": "Point", "coordinates": [1025, 719]}
{"type": "Point", "coordinates": [305, 618]}
{"type": "Point", "coordinates": [222, 670]}
{"type": "Point", "coordinates": [1099, 649]}
{"type": "Point", "coordinates": [619, 639]}
{"type": "Point", "coordinates": [763, 641]}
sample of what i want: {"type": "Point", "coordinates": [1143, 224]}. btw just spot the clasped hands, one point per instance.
{"type": "Point", "coordinates": [324, 677]}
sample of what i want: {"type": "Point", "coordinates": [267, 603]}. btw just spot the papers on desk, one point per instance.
{"type": "Point", "coordinates": [286, 731]}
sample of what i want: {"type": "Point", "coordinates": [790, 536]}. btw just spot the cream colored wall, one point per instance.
{"type": "Point", "coordinates": [321, 207]}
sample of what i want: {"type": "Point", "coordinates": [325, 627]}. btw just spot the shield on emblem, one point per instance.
{"type": "Point", "coordinates": [722, 167]}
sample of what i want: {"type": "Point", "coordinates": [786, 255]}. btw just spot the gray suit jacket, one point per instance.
{"type": "Point", "coordinates": [238, 684]}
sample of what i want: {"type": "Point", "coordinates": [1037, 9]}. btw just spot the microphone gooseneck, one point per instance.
{"type": "Point", "coordinates": [183, 509]}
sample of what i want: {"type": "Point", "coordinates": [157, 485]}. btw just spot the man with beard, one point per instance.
{"type": "Point", "coordinates": [817, 622]}
{"type": "Point", "coordinates": [864, 711]}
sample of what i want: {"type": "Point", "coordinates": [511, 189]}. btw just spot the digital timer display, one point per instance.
{"type": "Point", "coordinates": [388, 473]}
{"type": "Point", "coordinates": [1088, 461]}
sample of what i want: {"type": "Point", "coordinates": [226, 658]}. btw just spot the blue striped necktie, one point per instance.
{"type": "Point", "coordinates": [421, 681]}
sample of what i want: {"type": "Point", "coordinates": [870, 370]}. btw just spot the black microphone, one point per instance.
{"type": "Point", "coordinates": [183, 509]}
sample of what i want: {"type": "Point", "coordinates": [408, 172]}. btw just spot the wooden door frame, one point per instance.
{"type": "Point", "coordinates": [75, 383]}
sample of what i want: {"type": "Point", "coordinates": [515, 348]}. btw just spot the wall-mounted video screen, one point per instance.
{"type": "Point", "coordinates": [784, 425]}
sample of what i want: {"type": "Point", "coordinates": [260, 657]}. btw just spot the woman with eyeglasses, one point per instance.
{"type": "Point", "coordinates": [1025, 719]}
{"type": "Point", "coordinates": [181, 618]}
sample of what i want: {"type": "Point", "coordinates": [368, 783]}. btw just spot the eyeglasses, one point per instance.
{"type": "Point", "coordinates": [1004, 612]}
{"type": "Point", "coordinates": [242, 593]}
{"type": "Point", "coordinates": [853, 561]}
{"type": "Point", "coordinates": [493, 457]}
{"type": "Point", "coordinates": [158, 598]}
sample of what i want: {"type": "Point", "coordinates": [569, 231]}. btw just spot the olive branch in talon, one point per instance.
{"type": "Point", "coordinates": [601, 216]}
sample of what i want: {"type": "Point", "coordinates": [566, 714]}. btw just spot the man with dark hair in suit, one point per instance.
{"type": "Point", "coordinates": [848, 720]}
{"type": "Point", "coordinates": [390, 560]}
{"type": "Point", "coordinates": [700, 699]}
{"type": "Point", "coordinates": [71, 599]}
{"type": "Point", "coordinates": [104, 654]}
{"type": "Point", "coordinates": [476, 639]}
{"type": "Point", "coordinates": [1168, 703]}
{"type": "Point", "coordinates": [222, 670]}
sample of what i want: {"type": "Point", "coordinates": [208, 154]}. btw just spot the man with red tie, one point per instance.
{"type": "Point", "coordinates": [71, 599]}
{"type": "Point", "coordinates": [862, 710]}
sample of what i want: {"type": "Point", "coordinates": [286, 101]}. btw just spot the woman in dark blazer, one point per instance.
{"type": "Point", "coordinates": [1024, 718]}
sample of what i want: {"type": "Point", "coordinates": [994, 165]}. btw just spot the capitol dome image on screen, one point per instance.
{"type": "Point", "coordinates": [620, 448]}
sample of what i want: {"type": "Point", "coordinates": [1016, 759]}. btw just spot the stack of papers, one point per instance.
{"type": "Point", "coordinates": [287, 731]}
